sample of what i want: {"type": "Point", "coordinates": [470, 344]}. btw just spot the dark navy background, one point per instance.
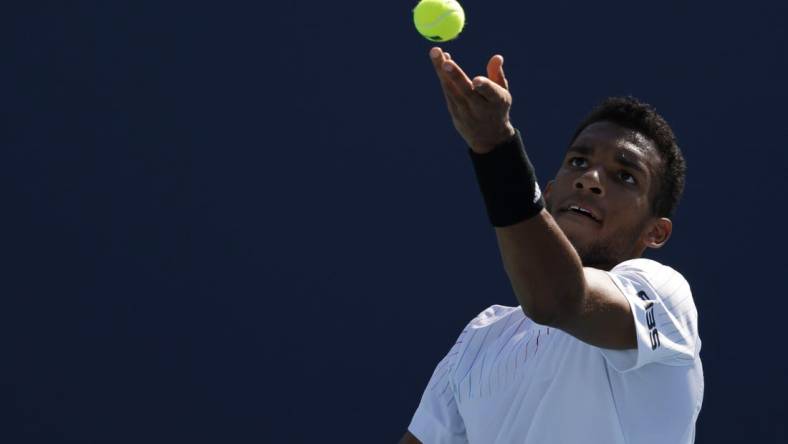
{"type": "Point", "coordinates": [254, 222]}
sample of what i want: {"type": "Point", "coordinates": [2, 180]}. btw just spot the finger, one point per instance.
{"type": "Point", "coordinates": [448, 56]}
{"type": "Point", "coordinates": [453, 98]}
{"type": "Point", "coordinates": [459, 80]}
{"type": "Point", "coordinates": [438, 57]}
{"type": "Point", "coordinates": [495, 71]}
{"type": "Point", "coordinates": [455, 83]}
{"type": "Point", "coordinates": [491, 91]}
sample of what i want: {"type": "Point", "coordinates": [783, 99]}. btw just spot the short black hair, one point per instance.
{"type": "Point", "coordinates": [631, 113]}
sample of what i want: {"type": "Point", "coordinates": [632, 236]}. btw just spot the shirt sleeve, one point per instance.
{"type": "Point", "coordinates": [437, 419]}
{"type": "Point", "coordinates": [664, 313]}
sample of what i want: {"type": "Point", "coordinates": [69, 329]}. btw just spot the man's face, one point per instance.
{"type": "Point", "coordinates": [601, 196]}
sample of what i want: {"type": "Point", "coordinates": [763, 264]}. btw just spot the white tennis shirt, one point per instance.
{"type": "Point", "coordinates": [509, 380]}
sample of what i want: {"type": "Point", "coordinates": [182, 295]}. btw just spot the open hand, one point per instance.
{"type": "Point", "coordinates": [480, 108]}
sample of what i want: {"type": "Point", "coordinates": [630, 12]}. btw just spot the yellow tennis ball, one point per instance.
{"type": "Point", "coordinates": [439, 20]}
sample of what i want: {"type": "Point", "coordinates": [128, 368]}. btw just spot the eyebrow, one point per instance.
{"type": "Point", "coordinates": [621, 158]}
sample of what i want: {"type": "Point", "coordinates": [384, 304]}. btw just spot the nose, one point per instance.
{"type": "Point", "coordinates": [589, 180]}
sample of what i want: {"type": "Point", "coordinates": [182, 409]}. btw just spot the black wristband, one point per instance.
{"type": "Point", "coordinates": [508, 183]}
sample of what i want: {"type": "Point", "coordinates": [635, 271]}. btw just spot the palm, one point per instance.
{"type": "Point", "coordinates": [479, 108]}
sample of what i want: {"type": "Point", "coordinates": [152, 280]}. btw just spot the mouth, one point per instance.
{"type": "Point", "coordinates": [583, 211]}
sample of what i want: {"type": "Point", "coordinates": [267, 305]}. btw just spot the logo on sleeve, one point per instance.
{"type": "Point", "coordinates": [650, 322]}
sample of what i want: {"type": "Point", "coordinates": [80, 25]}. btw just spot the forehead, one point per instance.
{"type": "Point", "coordinates": [608, 137]}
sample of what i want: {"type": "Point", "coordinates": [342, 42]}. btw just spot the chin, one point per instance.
{"type": "Point", "coordinates": [593, 253]}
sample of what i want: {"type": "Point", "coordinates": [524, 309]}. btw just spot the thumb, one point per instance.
{"type": "Point", "coordinates": [495, 71]}
{"type": "Point", "coordinates": [488, 89]}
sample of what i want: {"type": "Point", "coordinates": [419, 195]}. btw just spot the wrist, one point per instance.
{"type": "Point", "coordinates": [508, 183]}
{"type": "Point", "coordinates": [505, 135]}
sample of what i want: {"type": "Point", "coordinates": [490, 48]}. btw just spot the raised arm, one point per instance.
{"type": "Point", "coordinates": [545, 271]}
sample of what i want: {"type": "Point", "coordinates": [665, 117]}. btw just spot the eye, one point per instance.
{"type": "Point", "coordinates": [578, 162]}
{"type": "Point", "coordinates": [626, 177]}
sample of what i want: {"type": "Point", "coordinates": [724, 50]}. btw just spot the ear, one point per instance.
{"type": "Point", "coordinates": [546, 194]}
{"type": "Point", "coordinates": [547, 188]}
{"type": "Point", "coordinates": [658, 232]}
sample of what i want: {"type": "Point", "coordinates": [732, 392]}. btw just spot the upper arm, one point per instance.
{"type": "Point", "coordinates": [409, 439]}
{"type": "Point", "coordinates": [638, 313]}
{"type": "Point", "coordinates": [604, 317]}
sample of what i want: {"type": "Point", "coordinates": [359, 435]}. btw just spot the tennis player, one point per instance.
{"type": "Point", "coordinates": [604, 346]}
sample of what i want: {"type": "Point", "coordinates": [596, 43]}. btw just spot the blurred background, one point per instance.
{"type": "Point", "coordinates": [254, 222]}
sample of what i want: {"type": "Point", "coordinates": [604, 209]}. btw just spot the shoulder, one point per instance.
{"type": "Point", "coordinates": [653, 277]}
{"type": "Point", "coordinates": [491, 315]}
{"type": "Point", "coordinates": [664, 312]}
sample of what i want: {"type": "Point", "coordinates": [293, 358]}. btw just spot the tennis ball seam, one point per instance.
{"type": "Point", "coordinates": [439, 19]}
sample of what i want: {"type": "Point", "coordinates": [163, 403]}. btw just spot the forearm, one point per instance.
{"type": "Point", "coordinates": [544, 269]}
